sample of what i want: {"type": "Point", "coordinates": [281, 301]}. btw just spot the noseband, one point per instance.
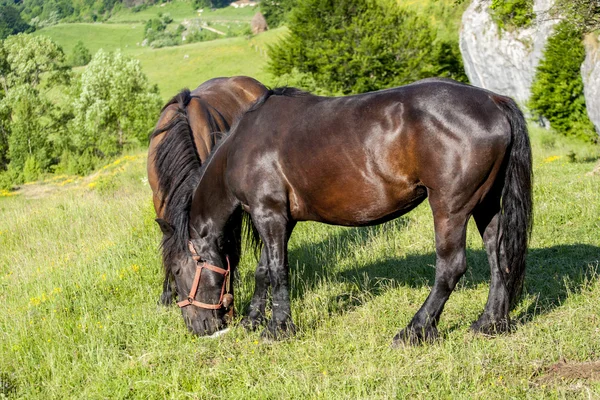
{"type": "Point", "coordinates": [225, 289]}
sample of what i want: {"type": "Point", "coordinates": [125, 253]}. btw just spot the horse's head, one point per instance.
{"type": "Point", "coordinates": [203, 279]}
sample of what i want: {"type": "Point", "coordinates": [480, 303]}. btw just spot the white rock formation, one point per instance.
{"type": "Point", "coordinates": [504, 62]}
{"type": "Point", "coordinates": [590, 71]}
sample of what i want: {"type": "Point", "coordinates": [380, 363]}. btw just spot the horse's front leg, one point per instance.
{"type": "Point", "coordinates": [256, 312]}
{"type": "Point", "coordinates": [275, 230]}
{"type": "Point", "coordinates": [451, 264]}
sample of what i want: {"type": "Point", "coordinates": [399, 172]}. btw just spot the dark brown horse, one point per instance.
{"type": "Point", "coordinates": [185, 134]}
{"type": "Point", "coordinates": [357, 161]}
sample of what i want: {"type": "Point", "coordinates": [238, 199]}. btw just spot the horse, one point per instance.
{"type": "Point", "coordinates": [185, 133]}
{"type": "Point", "coordinates": [357, 161]}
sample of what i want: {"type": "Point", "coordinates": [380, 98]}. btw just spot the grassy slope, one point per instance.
{"type": "Point", "coordinates": [169, 67]}
{"type": "Point", "coordinates": [80, 277]}
{"type": "Point", "coordinates": [224, 57]}
{"type": "Point", "coordinates": [180, 10]}
{"type": "Point", "coordinates": [125, 37]}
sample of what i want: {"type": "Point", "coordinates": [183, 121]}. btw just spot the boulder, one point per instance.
{"type": "Point", "coordinates": [503, 61]}
{"type": "Point", "coordinates": [590, 72]}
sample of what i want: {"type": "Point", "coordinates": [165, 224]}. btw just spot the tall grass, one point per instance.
{"type": "Point", "coordinates": [80, 277]}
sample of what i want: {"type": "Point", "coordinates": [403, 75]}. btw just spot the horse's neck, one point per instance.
{"type": "Point", "coordinates": [213, 200]}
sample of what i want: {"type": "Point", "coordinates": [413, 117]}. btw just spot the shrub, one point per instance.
{"type": "Point", "coordinates": [557, 90]}
{"type": "Point", "coordinates": [81, 55]}
{"type": "Point", "coordinates": [32, 170]}
{"type": "Point", "coordinates": [510, 14]}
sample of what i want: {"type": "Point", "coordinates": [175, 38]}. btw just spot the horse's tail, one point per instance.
{"type": "Point", "coordinates": [516, 217]}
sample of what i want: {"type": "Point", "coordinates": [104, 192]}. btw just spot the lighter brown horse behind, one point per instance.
{"type": "Point", "coordinates": [188, 128]}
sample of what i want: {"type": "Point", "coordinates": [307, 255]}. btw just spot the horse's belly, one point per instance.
{"type": "Point", "coordinates": [351, 206]}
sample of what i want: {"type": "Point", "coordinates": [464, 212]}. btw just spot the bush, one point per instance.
{"type": "Point", "coordinates": [557, 90]}
{"type": "Point", "coordinates": [363, 45]}
{"type": "Point", "coordinates": [510, 14]}
{"type": "Point", "coordinates": [115, 108]}
{"type": "Point", "coordinates": [201, 35]}
{"type": "Point", "coordinates": [32, 170]}
{"type": "Point", "coordinates": [80, 56]}
{"type": "Point", "coordinates": [276, 11]}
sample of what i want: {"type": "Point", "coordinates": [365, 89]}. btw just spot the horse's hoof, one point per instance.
{"type": "Point", "coordinates": [278, 331]}
{"type": "Point", "coordinates": [414, 336]}
{"type": "Point", "coordinates": [485, 325]}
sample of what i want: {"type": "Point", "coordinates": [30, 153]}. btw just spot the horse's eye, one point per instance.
{"type": "Point", "coordinates": [177, 272]}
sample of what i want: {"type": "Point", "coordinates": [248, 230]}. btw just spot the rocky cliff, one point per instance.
{"type": "Point", "coordinates": [590, 71]}
{"type": "Point", "coordinates": [504, 62]}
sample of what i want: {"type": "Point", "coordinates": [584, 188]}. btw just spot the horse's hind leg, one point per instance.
{"type": "Point", "coordinates": [495, 315]}
{"type": "Point", "coordinates": [256, 314]}
{"type": "Point", "coordinates": [451, 264]}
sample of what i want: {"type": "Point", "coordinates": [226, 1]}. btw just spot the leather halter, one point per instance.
{"type": "Point", "coordinates": [191, 299]}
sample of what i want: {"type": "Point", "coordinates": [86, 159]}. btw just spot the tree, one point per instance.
{"type": "Point", "coordinates": [115, 106]}
{"type": "Point", "coordinates": [81, 55]}
{"type": "Point", "coordinates": [29, 57]}
{"type": "Point", "coordinates": [582, 15]}
{"type": "Point", "coordinates": [26, 114]}
{"type": "Point", "coordinates": [357, 46]}
{"type": "Point", "coordinates": [276, 11]}
{"type": "Point", "coordinates": [557, 90]}
{"type": "Point", "coordinates": [11, 22]}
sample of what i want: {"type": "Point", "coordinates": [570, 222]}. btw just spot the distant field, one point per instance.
{"type": "Point", "coordinates": [95, 36]}
{"type": "Point", "coordinates": [172, 70]}
{"type": "Point", "coordinates": [179, 10]}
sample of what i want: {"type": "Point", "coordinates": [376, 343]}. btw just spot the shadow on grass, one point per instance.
{"type": "Point", "coordinates": [552, 273]}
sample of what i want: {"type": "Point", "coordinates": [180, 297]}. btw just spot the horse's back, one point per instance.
{"type": "Point", "coordinates": [385, 150]}
{"type": "Point", "coordinates": [212, 107]}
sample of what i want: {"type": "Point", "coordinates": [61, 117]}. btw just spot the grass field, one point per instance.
{"type": "Point", "coordinates": [173, 68]}
{"type": "Point", "coordinates": [180, 10]}
{"type": "Point", "coordinates": [195, 63]}
{"type": "Point", "coordinates": [80, 277]}
{"type": "Point", "coordinates": [110, 37]}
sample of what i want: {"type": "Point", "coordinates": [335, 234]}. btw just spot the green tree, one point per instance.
{"type": "Point", "coordinates": [276, 11]}
{"type": "Point", "coordinates": [11, 22]}
{"type": "Point", "coordinates": [28, 136]}
{"type": "Point", "coordinates": [81, 55]}
{"type": "Point", "coordinates": [31, 57]}
{"type": "Point", "coordinates": [358, 46]}
{"type": "Point", "coordinates": [115, 106]}
{"type": "Point", "coordinates": [28, 64]}
{"type": "Point", "coordinates": [557, 90]}
{"type": "Point", "coordinates": [582, 15]}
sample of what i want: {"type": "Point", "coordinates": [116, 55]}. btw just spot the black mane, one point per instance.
{"type": "Point", "coordinates": [178, 168]}
{"type": "Point", "coordinates": [280, 91]}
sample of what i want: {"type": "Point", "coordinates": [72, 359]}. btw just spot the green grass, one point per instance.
{"type": "Point", "coordinates": [206, 60]}
{"type": "Point", "coordinates": [110, 37]}
{"type": "Point", "coordinates": [180, 10]}
{"type": "Point", "coordinates": [173, 68]}
{"type": "Point", "coordinates": [80, 277]}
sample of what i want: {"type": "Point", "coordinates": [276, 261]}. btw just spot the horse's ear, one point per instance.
{"type": "Point", "coordinates": [165, 227]}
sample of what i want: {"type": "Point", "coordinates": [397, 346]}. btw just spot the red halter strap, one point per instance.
{"type": "Point", "coordinates": [191, 299]}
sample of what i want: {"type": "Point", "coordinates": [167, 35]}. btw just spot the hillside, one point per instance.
{"type": "Point", "coordinates": [173, 68]}
{"type": "Point", "coordinates": [80, 277]}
